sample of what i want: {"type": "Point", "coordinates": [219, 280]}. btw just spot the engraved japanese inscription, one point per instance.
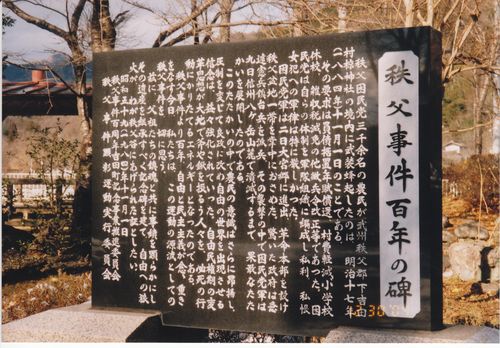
{"type": "Point", "coordinates": [275, 185]}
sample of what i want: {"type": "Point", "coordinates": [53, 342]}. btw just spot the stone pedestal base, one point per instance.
{"type": "Point", "coordinates": [81, 323]}
{"type": "Point", "coordinates": [452, 334]}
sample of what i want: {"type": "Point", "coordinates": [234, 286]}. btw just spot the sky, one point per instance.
{"type": "Point", "coordinates": [27, 42]}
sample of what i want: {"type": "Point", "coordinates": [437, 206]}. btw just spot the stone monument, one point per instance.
{"type": "Point", "coordinates": [284, 186]}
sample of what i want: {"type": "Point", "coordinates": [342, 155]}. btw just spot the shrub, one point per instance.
{"type": "Point", "coordinates": [477, 180]}
{"type": "Point", "coordinates": [53, 156]}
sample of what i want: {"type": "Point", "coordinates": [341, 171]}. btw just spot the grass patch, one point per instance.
{"type": "Point", "coordinates": [463, 306]}
{"type": "Point", "coordinates": [20, 266]}
{"type": "Point", "coordinates": [26, 298]}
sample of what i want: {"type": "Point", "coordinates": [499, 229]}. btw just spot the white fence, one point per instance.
{"type": "Point", "coordinates": [450, 188]}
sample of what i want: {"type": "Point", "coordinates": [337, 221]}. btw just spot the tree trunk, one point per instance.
{"type": "Point", "coordinates": [104, 37]}
{"type": "Point", "coordinates": [430, 12]}
{"type": "Point", "coordinates": [299, 15]}
{"type": "Point", "coordinates": [226, 7]}
{"type": "Point", "coordinates": [342, 11]}
{"type": "Point", "coordinates": [103, 32]}
{"type": "Point", "coordinates": [195, 25]}
{"type": "Point", "coordinates": [495, 146]}
{"type": "Point", "coordinates": [479, 99]}
{"type": "Point", "coordinates": [81, 217]}
{"type": "Point", "coordinates": [409, 13]}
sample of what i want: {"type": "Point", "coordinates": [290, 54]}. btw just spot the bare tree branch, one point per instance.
{"type": "Point", "coordinates": [141, 6]}
{"type": "Point", "coordinates": [172, 29]}
{"type": "Point", "coordinates": [41, 23]}
{"type": "Point", "coordinates": [189, 33]}
{"type": "Point", "coordinates": [120, 18]}
{"type": "Point", "coordinates": [48, 8]}
{"type": "Point", "coordinates": [77, 14]}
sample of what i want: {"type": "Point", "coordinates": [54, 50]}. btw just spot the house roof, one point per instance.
{"type": "Point", "coordinates": [453, 143]}
{"type": "Point", "coordinates": [38, 97]}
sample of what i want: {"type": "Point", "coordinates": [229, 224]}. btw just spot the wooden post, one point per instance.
{"type": "Point", "coordinates": [10, 200]}
{"type": "Point", "coordinates": [59, 198]}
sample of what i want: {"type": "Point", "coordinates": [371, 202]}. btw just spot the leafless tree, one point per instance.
{"type": "Point", "coordinates": [88, 26]}
{"type": "Point", "coordinates": [226, 7]}
{"type": "Point", "coordinates": [495, 147]}
{"type": "Point", "coordinates": [456, 19]}
{"type": "Point", "coordinates": [71, 35]}
{"type": "Point", "coordinates": [103, 27]}
{"type": "Point", "coordinates": [103, 35]}
{"type": "Point", "coordinates": [206, 20]}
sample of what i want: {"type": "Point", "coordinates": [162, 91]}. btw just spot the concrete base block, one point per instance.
{"type": "Point", "coordinates": [82, 323]}
{"type": "Point", "coordinates": [451, 334]}
{"type": "Point", "coordinates": [79, 323]}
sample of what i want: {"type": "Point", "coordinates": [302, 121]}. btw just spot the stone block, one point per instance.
{"type": "Point", "coordinates": [495, 274]}
{"type": "Point", "coordinates": [446, 262]}
{"type": "Point", "coordinates": [496, 231]}
{"type": "Point", "coordinates": [490, 288]}
{"type": "Point", "coordinates": [472, 230]}
{"type": "Point", "coordinates": [445, 222]}
{"type": "Point", "coordinates": [465, 260]}
{"type": "Point", "coordinates": [493, 257]}
{"type": "Point", "coordinates": [448, 273]}
{"type": "Point", "coordinates": [449, 237]}
{"type": "Point", "coordinates": [79, 323]}
{"type": "Point", "coordinates": [82, 323]}
{"type": "Point", "coordinates": [452, 334]}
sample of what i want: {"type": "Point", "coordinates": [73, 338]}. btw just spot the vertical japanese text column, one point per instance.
{"type": "Point", "coordinates": [399, 184]}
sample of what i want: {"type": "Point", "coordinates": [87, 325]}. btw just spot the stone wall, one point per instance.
{"type": "Point", "coordinates": [471, 253]}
